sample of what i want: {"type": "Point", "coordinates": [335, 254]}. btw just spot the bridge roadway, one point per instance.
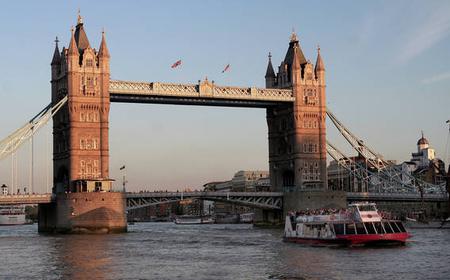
{"type": "Point", "coordinates": [263, 200]}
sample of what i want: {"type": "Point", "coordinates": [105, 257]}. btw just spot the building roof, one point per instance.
{"type": "Point", "coordinates": [423, 141]}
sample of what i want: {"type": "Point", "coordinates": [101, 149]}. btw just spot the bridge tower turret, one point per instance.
{"type": "Point", "coordinates": [81, 139]}
{"type": "Point", "coordinates": [270, 73]}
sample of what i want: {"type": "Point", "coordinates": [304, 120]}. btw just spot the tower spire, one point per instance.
{"type": "Point", "coordinates": [73, 49]}
{"type": "Point", "coordinates": [289, 58]}
{"type": "Point", "coordinates": [320, 66]}
{"type": "Point", "coordinates": [56, 55]}
{"type": "Point", "coordinates": [80, 35]}
{"type": "Point", "coordinates": [293, 36]}
{"type": "Point", "coordinates": [270, 72]}
{"type": "Point", "coordinates": [79, 19]}
{"type": "Point", "coordinates": [103, 50]}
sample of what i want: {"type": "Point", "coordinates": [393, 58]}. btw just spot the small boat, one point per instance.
{"type": "Point", "coordinates": [193, 220]}
{"type": "Point", "coordinates": [227, 218]}
{"type": "Point", "coordinates": [247, 218]}
{"type": "Point", "coordinates": [360, 224]}
{"type": "Point", "coordinates": [12, 215]}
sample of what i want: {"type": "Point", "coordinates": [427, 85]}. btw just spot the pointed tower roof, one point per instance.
{"type": "Point", "coordinates": [289, 58]}
{"type": "Point", "coordinates": [296, 57]}
{"type": "Point", "coordinates": [320, 66]}
{"type": "Point", "coordinates": [103, 50]}
{"type": "Point", "coordinates": [269, 72]}
{"type": "Point", "coordinates": [56, 55]}
{"type": "Point", "coordinates": [80, 35]}
{"type": "Point", "coordinates": [73, 49]}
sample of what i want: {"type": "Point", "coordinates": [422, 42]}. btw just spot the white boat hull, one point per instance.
{"type": "Point", "coordinates": [193, 220]}
{"type": "Point", "coordinates": [6, 220]}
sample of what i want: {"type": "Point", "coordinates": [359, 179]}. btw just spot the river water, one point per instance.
{"type": "Point", "coordinates": [169, 251]}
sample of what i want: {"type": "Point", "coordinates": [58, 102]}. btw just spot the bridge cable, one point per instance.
{"type": "Point", "coordinates": [12, 142]}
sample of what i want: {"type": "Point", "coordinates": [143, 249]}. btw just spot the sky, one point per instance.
{"type": "Point", "coordinates": [387, 72]}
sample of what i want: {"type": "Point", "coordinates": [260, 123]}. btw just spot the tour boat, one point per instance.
{"type": "Point", "coordinates": [12, 215]}
{"type": "Point", "coordinates": [360, 224]}
{"type": "Point", "coordinates": [193, 220]}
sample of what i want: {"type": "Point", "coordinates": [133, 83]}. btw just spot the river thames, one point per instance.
{"type": "Point", "coordinates": [169, 251]}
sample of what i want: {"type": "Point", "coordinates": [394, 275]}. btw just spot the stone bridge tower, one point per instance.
{"type": "Point", "coordinates": [297, 132]}
{"type": "Point", "coordinates": [80, 140]}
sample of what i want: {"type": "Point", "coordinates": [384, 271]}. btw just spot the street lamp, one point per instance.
{"type": "Point", "coordinates": [124, 181]}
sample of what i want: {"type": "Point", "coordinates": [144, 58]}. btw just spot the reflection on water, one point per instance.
{"type": "Point", "coordinates": [168, 251]}
{"type": "Point", "coordinates": [84, 257]}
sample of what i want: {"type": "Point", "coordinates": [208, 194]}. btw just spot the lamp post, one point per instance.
{"type": "Point", "coordinates": [124, 181]}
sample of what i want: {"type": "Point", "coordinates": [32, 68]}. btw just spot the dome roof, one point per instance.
{"type": "Point", "coordinates": [423, 141]}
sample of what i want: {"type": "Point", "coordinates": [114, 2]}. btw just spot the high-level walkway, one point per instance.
{"type": "Point", "coordinates": [204, 93]}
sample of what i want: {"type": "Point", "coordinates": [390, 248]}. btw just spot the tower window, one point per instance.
{"type": "Point", "coordinates": [89, 82]}
{"type": "Point", "coordinates": [89, 62]}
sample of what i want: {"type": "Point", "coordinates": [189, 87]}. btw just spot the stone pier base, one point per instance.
{"type": "Point", "coordinates": [93, 212]}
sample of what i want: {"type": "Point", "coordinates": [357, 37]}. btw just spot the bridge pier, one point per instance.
{"type": "Point", "coordinates": [88, 212]}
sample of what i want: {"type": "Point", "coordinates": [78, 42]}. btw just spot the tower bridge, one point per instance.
{"type": "Point", "coordinates": [294, 98]}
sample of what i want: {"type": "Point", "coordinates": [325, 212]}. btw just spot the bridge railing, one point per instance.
{"type": "Point", "coordinates": [25, 198]}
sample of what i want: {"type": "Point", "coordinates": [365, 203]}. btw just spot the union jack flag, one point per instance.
{"type": "Point", "coordinates": [226, 68]}
{"type": "Point", "coordinates": [176, 64]}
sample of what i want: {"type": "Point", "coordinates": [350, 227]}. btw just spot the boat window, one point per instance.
{"type": "Point", "coordinates": [293, 221]}
{"type": "Point", "coordinates": [388, 227]}
{"type": "Point", "coordinates": [367, 208]}
{"type": "Point", "coordinates": [400, 226]}
{"type": "Point", "coordinates": [379, 228]}
{"type": "Point", "coordinates": [339, 228]}
{"type": "Point", "coordinates": [394, 227]}
{"type": "Point", "coordinates": [350, 229]}
{"type": "Point", "coordinates": [370, 228]}
{"type": "Point", "coordinates": [360, 228]}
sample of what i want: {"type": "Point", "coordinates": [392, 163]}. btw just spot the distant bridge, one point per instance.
{"type": "Point", "coordinates": [261, 200]}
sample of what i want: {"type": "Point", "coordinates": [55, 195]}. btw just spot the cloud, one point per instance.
{"type": "Point", "coordinates": [434, 29]}
{"type": "Point", "coordinates": [436, 78]}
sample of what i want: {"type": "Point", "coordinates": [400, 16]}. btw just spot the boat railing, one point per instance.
{"type": "Point", "coordinates": [325, 218]}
